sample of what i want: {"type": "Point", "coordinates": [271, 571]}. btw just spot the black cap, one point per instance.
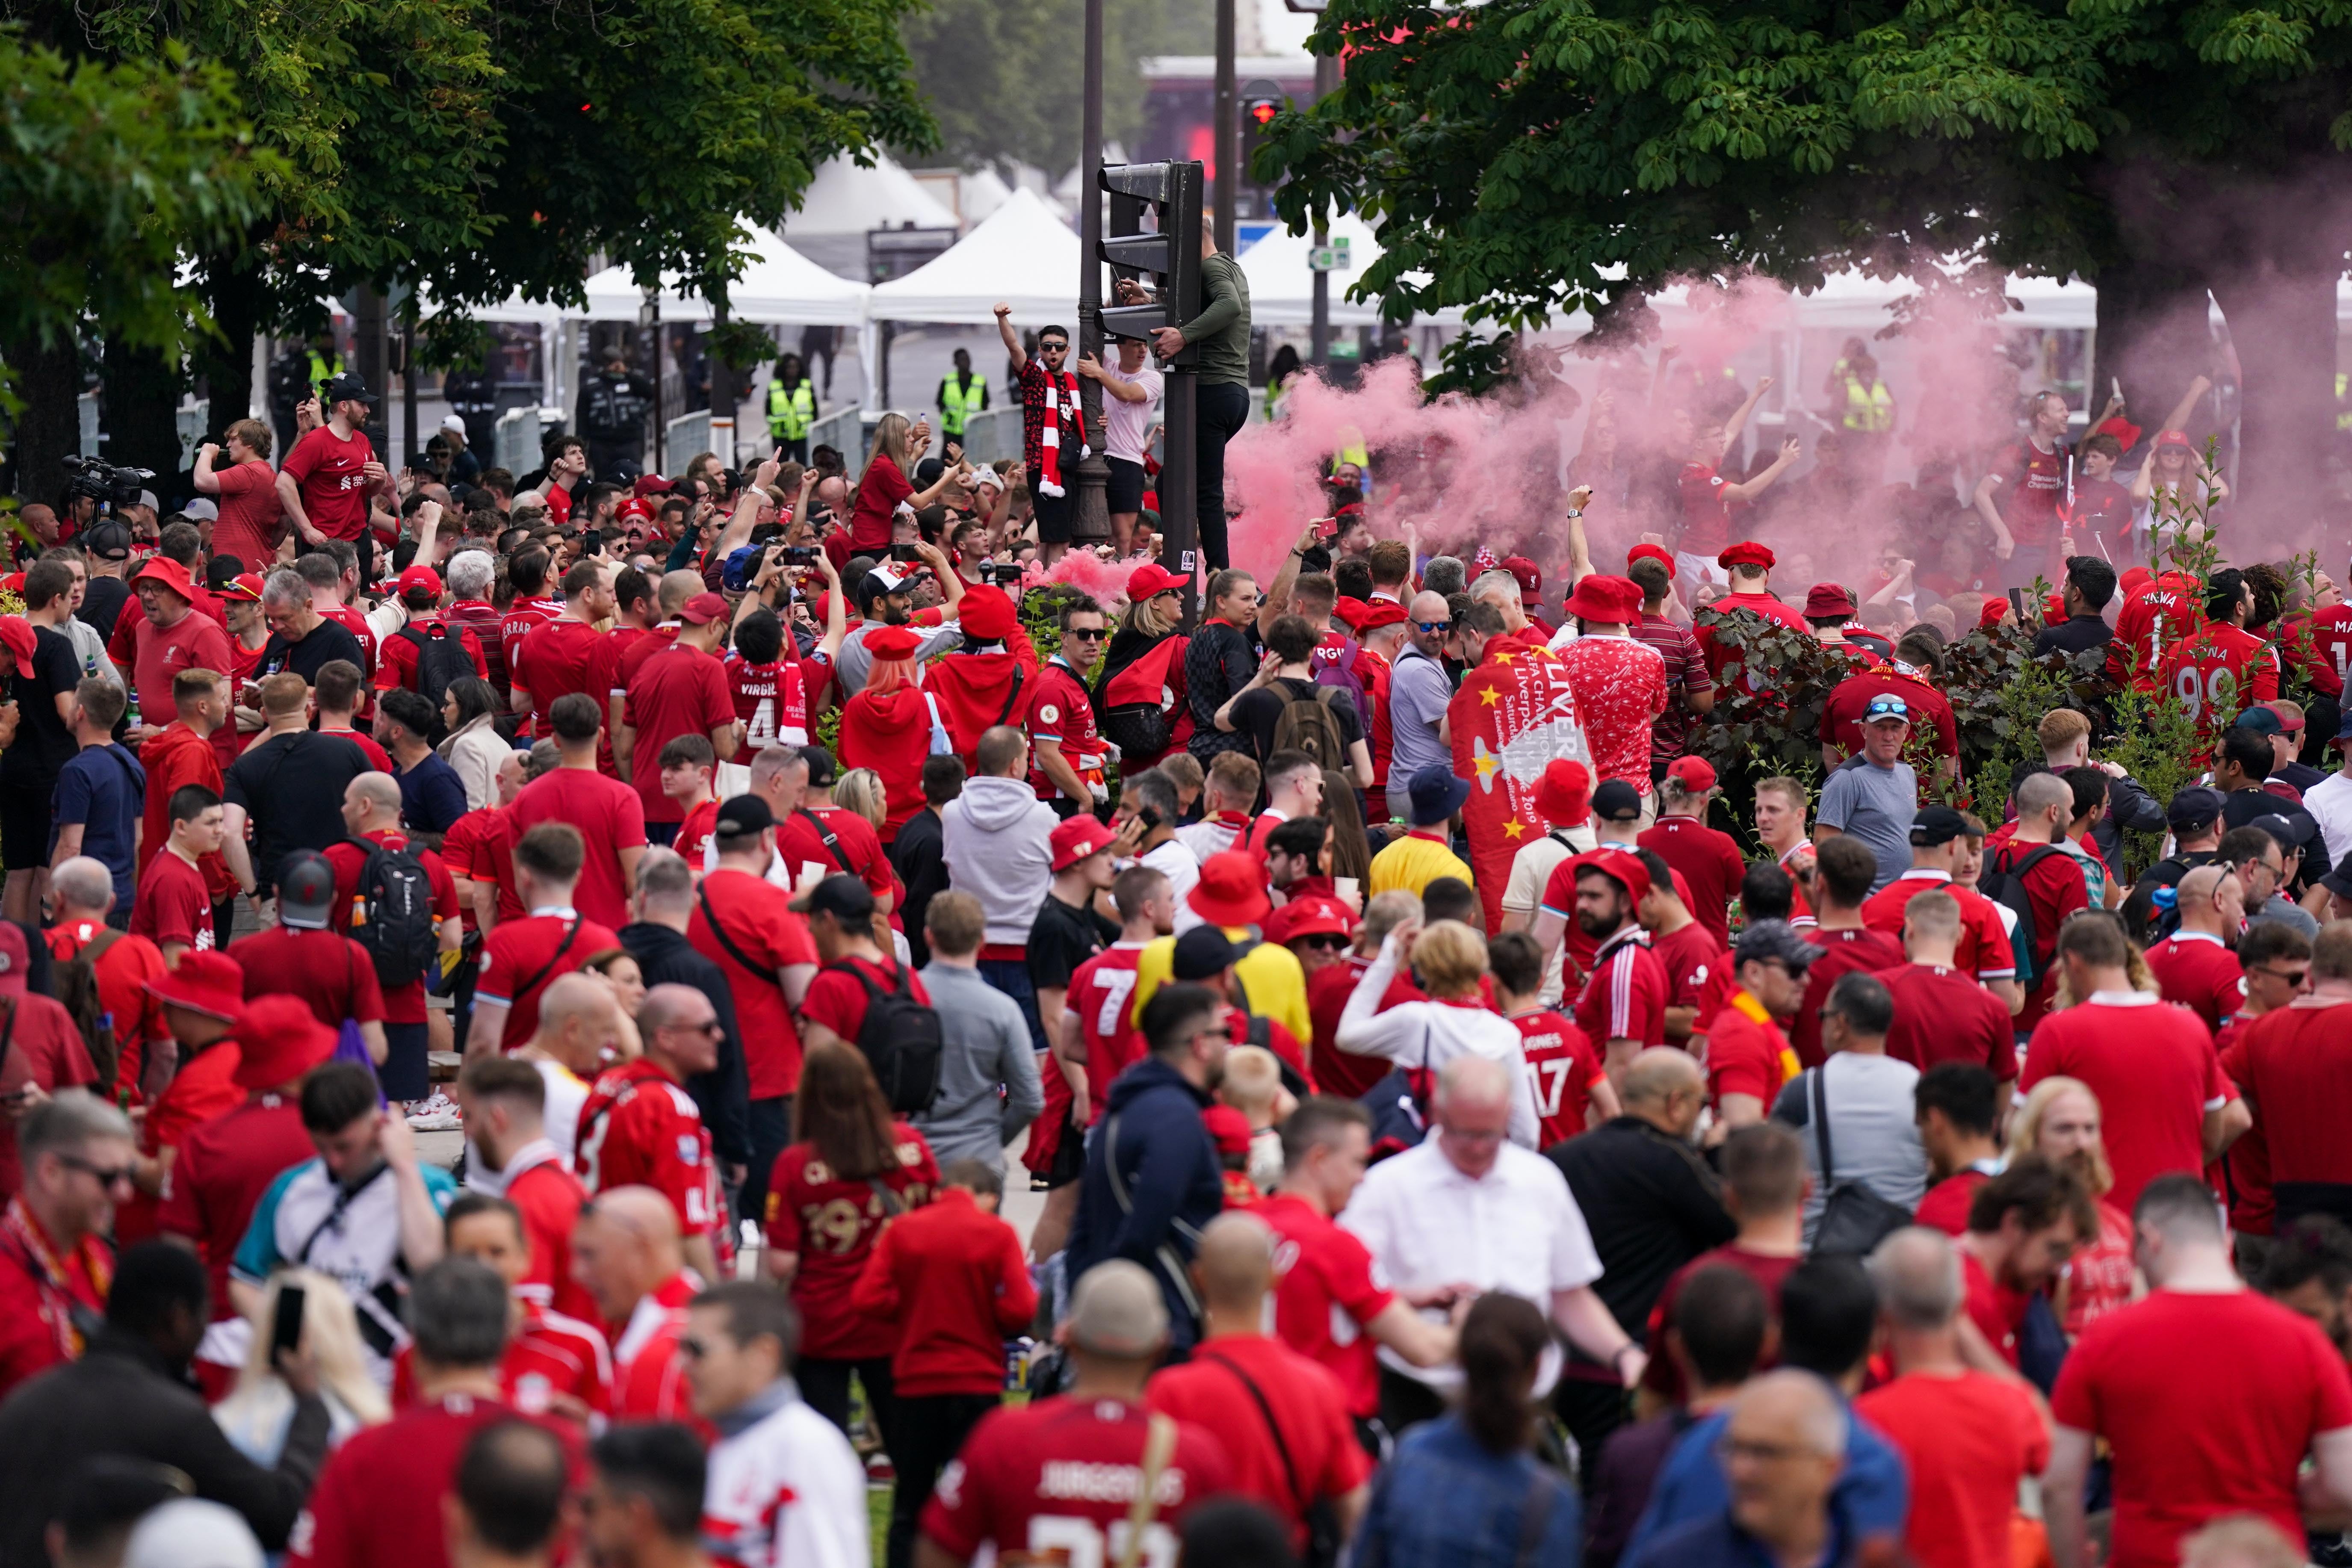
{"type": "Point", "coordinates": [1617, 801]}
{"type": "Point", "coordinates": [1203, 952]}
{"type": "Point", "coordinates": [745, 816]}
{"type": "Point", "coordinates": [1937, 825]}
{"type": "Point", "coordinates": [348, 387]}
{"type": "Point", "coordinates": [109, 541]}
{"type": "Point", "coordinates": [2292, 832]}
{"type": "Point", "coordinates": [2339, 880]}
{"type": "Point", "coordinates": [1766, 941]}
{"type": "Point", "coordinates": [306, 891]}
{"type": "Point", "coordinates": [844, 898]}
{"type": "Point", "coordinates": [2193, 807]}
{"type": "Point", "coordinates": [821, 772]}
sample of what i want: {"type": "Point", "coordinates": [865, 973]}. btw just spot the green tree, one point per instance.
{"type": "Point", "coordinates": [1529, 158]}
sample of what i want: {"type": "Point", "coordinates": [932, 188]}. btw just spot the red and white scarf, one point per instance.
{"type": "Point", "coordinates": [1061, 403]}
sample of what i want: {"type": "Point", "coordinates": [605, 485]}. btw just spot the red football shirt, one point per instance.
{"type": "Point", "coordinates": [1942, 1015]}
{"type": "Point", "coordinates": [2218, 673]}
{"type": "Point", "coordinates": [2210, 1402]}
{"type": "Point", "coordinates": [1059, 710]}
{"type": "Point", "coordinates": [1562, 1067]}
{"type": "Point", "coordinates": [1624, 997]}
{"type": "Point", "coordinates": [2152, 1066]}
{"type": "Point", "coordinates": [2294, 1075]}
{"type": "Point", "coordinates": [548, 1355]}
{"type": "Point", "coordinates": [2155, 616]}
{"type": "Point", "coordinates": [1691, 958]}
{"type": "Point", "coordinates": [610, 817]}
{"type": "Point", "coordinates": [1745, 1055]}
{"type": "Point", "coordinates": [640, 1129]}
{"type": "Point", "coordinates": [223, 1168]}
{"type": "Point", "coordinates": [2330, 633]}
{"type": "Point", "coordinates": [194, 641]}
{"type": "Point", "coordinates": [481, 619]}
{"type": "Point", "coordinates": [523, 617]}
{"type": "Point", "coordinates": [1099, 994]}
{"type": "Point", "coordinates": [1843, 950]}
{"type": "Point", "coordinates": [1706, 516]}
{"type": "Point", "coordinates": [1664, 1378]}
{"type": "Point", "coordinates": [771, 701]}
{"type": "Point", "coordinates": [2037, 488]}
{"type": "Point", "coordinates": [829, 1222]}
{"type": "Point", "coordinates": [328, 471]}
{"type": "Point", "coordinates": [859, 852]}
{"type": "Point", "coordinates": [1763, 607]}
{"type": "Point", "coordinates": [1709, 863]}
{"type": "Point", "coordinates": [1620, 688]}
{"type": "Point", "coordinates": [757, 918]}
{"type": "Point", "coordinates": [1308, 1451]}
{"type": "Point", "coordinates": [479, 848]}
{"type": "Point", "coordinates": [1984, 949]}
{"type": "Point", "coordinates": [2197, 971]}
{"type": "Point", "coordinates": [1931, 711]}
{"type": "Point", "coordinates": [250, 514]}
{"type": "Point", "coordinates": [680, 692]}
{"type": "Point", "coordinates": [559, 657]}
{"type": "Point", "coordinates": [405, 1003]}
{"type": "Point", "coordinates": [1968, 1438]}
{"type": "Point", "coordinates": [2056, 889]}
{"type": "Point", "coordinates": [330, 972]}
{"type": "Point", "coordinates": [838, 1002]}
{"type": "Point", "coordinates": [174, 904]}
{"type": "Point", "coordinates": [551, 1198]}
{"type": "Point", "coordinates": [522, 956]}
{"type": "Point", "coordinates": [694, 831]}
{"type": "Point", "coordinates": [1945, 1205]}
{"type": "Point", "coordinates": [396, 663]}
{"type": "Point", "coordinates": [1325, 1289]}
{"type": "Point", "coordinates": [649, 1374]}
{"type": "Point", "coordinates": [1059, 1476]}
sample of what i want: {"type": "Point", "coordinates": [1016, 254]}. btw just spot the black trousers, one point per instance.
{"type": "Point", "coordinates": [1407, 1402]}
{"type": "Point", "coordinates": [1220, 410]}
{"type": "Point", "coordinates": [1591, 1411]}
{"type": "Point", "coordinates": [932, 1428]}
{"type": "Point", "coordinates": [824, 1384]}
{"type": "Point", "coordinates": [771, 1134]}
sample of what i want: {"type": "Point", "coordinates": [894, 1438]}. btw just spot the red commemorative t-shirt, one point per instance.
{"type": "Point", "coordinates": [2211, 1403]}
{"type": "Point", "coordinates": [1062, 712]}
{"type": "Point", "coordinates": [2295, 1072]}
{"type": "Point", "coordinates": [2037, 489]}
{"type": "Point", "coordinates": [1060, 1475]}
{"type": "Point", "coordinates": [403, 1003]}
{"type": "Point", "coordinates": [1942, 1015]}
{"type": "Point", "coordinates": [756, 916]}
{"type": "Point", "coordinates": [1099, 994]}
{"type": "Point", "coordinates": [1983, 950]}
{"type": "Point", "coordinates": [1620, 688]}
{"type": "Point", "coordinates": [829, 1222]}
{"type": "Point", "coordinates": [1327, 1287]}
{"type": "Point", "coordinates": [682, 691]}
{"type": "Point", "coordinates": [640, 1128]}
{"type": "Point", "coordinates": [2198, 971]}
{"type": "Point", "coordinates": [174, 903]}
{"type": "Point", "coordinates": [1562, 1067]}
{"type": "Point", "coordinates": [1307, 1449]}
{"type": "Point", "coordinates": [1707, 515]}
{"type": "Point", "coordinates": [1968, 1439]}
{"type": "Point", "coordinates": [523, 954]}
{"type": "Point", "coordinates": [1709, 863]}
{"type": "Point", "coordinates": [551, 1197]}
{"type": "Point", "coordinates": [1624, 997]}
{"type": "Point", "coordinates": [2152, 1067]}
{"type": "Point", "coordinates": [610, 818]}
{"type": "Point", "coordinates": [1931, 711]}
{"type": "Point", "coordinates": [250, 514]}
{"type": "Point", "coordinates": [2218, 673]}
{"type": "Point", "coordinates": [838, 1002]}
{"type": "Point", "coordinates": [563, 657]}
{"type": "Point", "coordinates": [523, 617]}
{"type": "Point", "coordinates": [329, 471]}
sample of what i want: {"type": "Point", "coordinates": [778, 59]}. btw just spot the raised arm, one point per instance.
{"type": "Point", "coordinates": [1739, 420]}
{"type": "Point", "coordinates": [1020, 355]}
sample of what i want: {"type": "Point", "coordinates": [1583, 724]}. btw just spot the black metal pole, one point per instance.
{"type": "Point", "coordinates": [1093, 519]}
{"type": "Point", "coordinates": [1227, 125]}
{"type": "Point", "coordinates": [1180, 521]}
{"type": "Point", "coordinates": [1318, 351]}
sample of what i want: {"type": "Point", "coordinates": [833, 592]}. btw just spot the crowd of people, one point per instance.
{"type": "Point", "coordinates": [1063, 1060]}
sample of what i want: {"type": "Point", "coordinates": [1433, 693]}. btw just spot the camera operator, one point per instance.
{"type": "Point", "coordinates": [332, 471]}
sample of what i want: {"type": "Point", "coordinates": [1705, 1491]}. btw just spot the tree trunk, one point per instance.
{"type": "Point", "coordinates": [2154, 336]}
{"type": "Point", "coordinates": [224, 363]}
{"type": "Point", "coordinates": [49, 426]}
{"type": "Point", "coordinates": [2282, 328]}
{"type": "Point", "coordinates": [141, 401]}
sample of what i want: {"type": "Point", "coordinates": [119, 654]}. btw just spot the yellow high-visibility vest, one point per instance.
{"type": "Point", "coordinates": [1869, 410]}
{"type": "Point", "coordinates": [958, 403]}
{"type": "Point", "coordinates": [791, 410]}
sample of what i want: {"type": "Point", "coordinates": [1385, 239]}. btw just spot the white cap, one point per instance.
{"type": "Point", "coordinates": [189, 1532]}
{"type": "Point", "coordinates": [982, 476]}
{"type": "Point", "coordinates": [201, 508]}
{"type": "Point", "coordinates": [455, 425]}
{"type": "Point", "coordinates": [147, 499]}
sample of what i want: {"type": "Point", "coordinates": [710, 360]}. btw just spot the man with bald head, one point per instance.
{"type": "Point", "coordinates": [1418, 690]}
{"type": "Point", "coordinates": [1651, 1206]}
{"type": "Point", "coordinates": [640, 1128]}
{"type": "Point", "coordinates": [1784, 1450]}
{"type": "Point", "coordinates": [1969, 1436]}
{"type": "Point", "coordinates": [1282, 1418]}
{"type": "Point", "coordinates": [625, 1252]}
{"type": "Point", "coordinates": [2196, 965]}
{"type": "Point", "coordinates": [1470, 1209]}
{"type": "Point", "coordinates": [372, 817]}
{"type": "Point", "coordinates": [580, 1018]}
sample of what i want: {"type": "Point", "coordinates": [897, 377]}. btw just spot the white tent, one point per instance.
{"type": "Point", "coordinates": [779, 284]}
{"type": "Point", "coordinates": [1282, 286]}
{"type": "Point", "coordinates": [843, 199]}
{"type": "Point", "coordinates": [981, 192]}
{"type": "Point", "coordinates": [1022, 255]}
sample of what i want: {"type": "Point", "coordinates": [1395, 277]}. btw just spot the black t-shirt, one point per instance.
{"type": "Point", "coordinates": [2075, 634]}
{"type": "Point", "coordinates": [292, 787]}
{"type": "Point", "coordinates": [44, 745]}
{"type": "Point", "coordinates": [1259, 714]}
{"type": "Point", "coordinates": [323, 643]}
{"type": "Point", "coordinates": [1063, 938]}
{"type": "Point", "coordinates": [102, 603]}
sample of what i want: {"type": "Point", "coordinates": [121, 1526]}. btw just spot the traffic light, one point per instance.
{"type": "Point", "coordinates": [1166, 257]}
{"type": "Point", "coordinates": [1261, 101]}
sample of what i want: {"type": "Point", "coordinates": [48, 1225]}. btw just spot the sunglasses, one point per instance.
{"type": "Point", "coordinates": [1092, 634]}
{"type": "Point", "coordinates": [2292, 976]}
{"type": "Point", "coordinates": [1327, 941]}
{"type": "Point", "coordinates": [1435, 626]}
{"type": "Point", "coordinates": [1051, 348]}
{"type": "Point", "coordinates": [118, 1175]}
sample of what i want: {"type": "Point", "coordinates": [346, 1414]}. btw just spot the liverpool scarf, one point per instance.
{"type": "Point", "coordinates": [1061, 404]}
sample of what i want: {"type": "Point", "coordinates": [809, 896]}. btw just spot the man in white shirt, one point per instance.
{"type": "Point", "coordinates": [1148, 800]}
{"type": "Point", "coordinates": [2330, 800]}
{"type": "Point", "coordinates": [1133, 396]}
{"type": "Point", "coordinates": [1471, 1209]}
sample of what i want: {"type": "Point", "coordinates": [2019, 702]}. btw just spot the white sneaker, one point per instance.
{"type": "Point", "coordinates": [438, 1114]}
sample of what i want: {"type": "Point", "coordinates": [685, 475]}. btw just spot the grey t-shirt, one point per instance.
{"type": "Point", "coordinates": [1875, 806]}
{"type": "Point", "coordinates": [1417, 695]}
{"type": "Point", "coordinates": [1874, 1138]}
{"type": "Point", "coordinates": [851, 664]}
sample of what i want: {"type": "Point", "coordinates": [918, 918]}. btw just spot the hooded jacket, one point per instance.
{"type": "Point", "coordinates": [1150, 1148]}
{"type": "Point", "coordinates": [976, 692]}
{"type": "Point", "coordinates": [997, 840]}
{"type": "Point", "coordinates": [891, 734]}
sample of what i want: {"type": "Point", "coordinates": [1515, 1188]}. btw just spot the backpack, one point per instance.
{"type": "Point", "coordinates": [441, 660]}
{"type": "Point", "coordinates": [1340, 674]}
{"type": "Point", "coordinates": [901, 1039]}
{"type": "Point", "coordinates": [2005, 886]}
{"type": "Point", "coordinates": [1307, 724]}
{"type": "Point", "coordinates": [75, 982]}
{"type": "Point", "coordinates": [395, 922]}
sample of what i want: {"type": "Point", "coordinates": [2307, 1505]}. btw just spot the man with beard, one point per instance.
{"type": "Point", "coordinates": [2309, 1269]}
{"type": "Point", "coordinates": [2194, 965]}
{"type": "Point", "coordinates": [886, 597]}
{"type": "Point", "coordinates": [1623, 1005]}
{"type": "Point", "coordinates": [2023, 1224]}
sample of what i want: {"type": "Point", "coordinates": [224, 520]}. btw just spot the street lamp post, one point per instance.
{"type": "Point", "coordinates": [1318, 351]}
{"type": "Point", "coordinates": [1092, 522]}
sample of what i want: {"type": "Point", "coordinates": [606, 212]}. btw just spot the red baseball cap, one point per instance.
{"type": "Point", "coordinates": [1523, 570]}
{"type": "Point", "coordinates": [649, 485]}
{"type": "Point", "coordinates": [415, 577]}
{"type": "Point", "coordinates": [1694, 773]}
{"type": "Point", "coordinates": [704, 608]}
{"type": "Point", "coordinates": [1619, 867]}
{"type": "Point", "coordinates": [1379, 612]}
{"type": "Point", "coordinates": [1150, 579]}
{"type": "Point", "coordinates": [16, 635]}
{"type": "Point", "coordinates": [16, 960]}
{"type": "Point", "coordinates": [245, 589]}
{"type": "Point", "coordinates": [1077, 838]}
{"type": "Point", "coordinates": [636, 508]}
{"type": "Point", "coordinates": [1350, 611]}
{"type": "Point", "coordinates": [1313, 915]}
{"type": "Point", "coordinates": [1227, 1128]}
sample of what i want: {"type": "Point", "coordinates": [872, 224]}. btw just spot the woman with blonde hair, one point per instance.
{"type": "Point", "coordinates": [258, 1410]}
{"type": "Point", "coordinates": [1449, 959]}
{"type": "Point", "coordinates": [887, 483]}
{"type": "Point", "coordinates": [860, 789]}
{"type": "Point", "coordinates": [2059, 1121]}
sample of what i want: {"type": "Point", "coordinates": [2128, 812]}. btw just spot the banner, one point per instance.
{"type": "Point", "coordinates": [1512, 715]}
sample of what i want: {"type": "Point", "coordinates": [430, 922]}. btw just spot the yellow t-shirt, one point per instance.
{"type": "Point", "coordinates": [1268, 972]}
{"type": "Point", "coordinates": [1413, 863]}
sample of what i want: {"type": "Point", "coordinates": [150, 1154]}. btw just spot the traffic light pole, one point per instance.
{"type": "Point", "coordinates": [1179, 522]}
{"type": "Point", "coordinates": [1319, 342]}
{"type": "Point", "coordinates": [1170, 253]}
{"type": "Point", "coordinates": [1228, 139]}
{"type": "Point", "coordinates": [1092, 522]}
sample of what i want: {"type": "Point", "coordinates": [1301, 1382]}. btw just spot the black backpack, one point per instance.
{"type": "Point", "coordinates": [1307, 724]}
{"type": "Point", "coordinates": [2005, 886]}
{"type": "Point", "coordinates": [901, 1040]}
{"type": "Point", "coordinates": [441, 661]}
{"type": "Point", "coordinates": [395, 922]}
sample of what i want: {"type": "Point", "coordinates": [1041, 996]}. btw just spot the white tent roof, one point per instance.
{"type": "Point", "coordinates": [1282, 286]}
{"type": "Point", "coordinates": [779, 284]}
{"type": "Point", "coordinates": [1022, 255]}
{"type": "Point", "coordinates": [846, 199]}
{"type": "Point", "coordinates": [981, 192]}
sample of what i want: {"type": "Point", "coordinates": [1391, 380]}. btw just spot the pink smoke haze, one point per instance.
{"type": "Point", "coordinates": [1102, 581]}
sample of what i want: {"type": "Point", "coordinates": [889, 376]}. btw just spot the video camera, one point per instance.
{"type": "Point", "coordinates": [103, 481]}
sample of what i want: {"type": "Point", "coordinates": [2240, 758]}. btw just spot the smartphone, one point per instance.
{"type": "Point", "coordinates": [905, 552]}
{"type": "Point", "coordinates": [592, 542]}
{"type": "Point", "coordinates": [798, 555]}
{"type": "Point", "coordinates": [1326, 528]}
{"type": "Point", "coordinates": [286, 1322]}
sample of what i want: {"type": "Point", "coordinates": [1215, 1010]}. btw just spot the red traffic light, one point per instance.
{"type": "Point", "coordinates": [1263, 111]}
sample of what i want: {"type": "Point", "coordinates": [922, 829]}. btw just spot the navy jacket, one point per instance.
{"type": "Point", "coordinates": [1166, 1165]}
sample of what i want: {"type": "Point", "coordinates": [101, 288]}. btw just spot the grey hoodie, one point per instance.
{"type": "Point", "coordinates": [998, 848]}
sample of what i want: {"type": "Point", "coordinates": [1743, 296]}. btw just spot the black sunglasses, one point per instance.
{"type": "Point", "coordinates": [1051, 348]}
{"type": "Point", "coordinates": [1435, 626]}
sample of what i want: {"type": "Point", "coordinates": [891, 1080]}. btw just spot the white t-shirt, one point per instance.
{"type": "Point", "coordinates": [1125, 425]}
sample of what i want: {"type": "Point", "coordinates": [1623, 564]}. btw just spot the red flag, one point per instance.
{"type": "Point", "coordinates": [1512, 715]}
